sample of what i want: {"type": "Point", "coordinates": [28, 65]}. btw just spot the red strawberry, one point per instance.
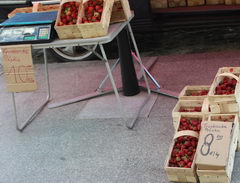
{"type": "Point", "coordinates": [189, 164]}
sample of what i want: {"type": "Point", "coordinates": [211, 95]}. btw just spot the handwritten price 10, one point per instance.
{"type": "Point", "coordinates": [21, 74]}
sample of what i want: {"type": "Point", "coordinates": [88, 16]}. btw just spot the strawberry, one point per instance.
{"type": "Point", "coordinates": [181, 163]}
{"type": "Point", "coordinates": [100, 10]}
{"type": "Point", "coordinates": [189, 164]}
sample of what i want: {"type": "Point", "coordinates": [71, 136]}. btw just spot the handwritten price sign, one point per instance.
{"type": "Point", "coordinates": [214, 142]}
{"type": "Point", "coordinates": [18, 68]}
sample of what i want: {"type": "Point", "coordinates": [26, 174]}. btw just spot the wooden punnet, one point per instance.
{"type": "Point", "coordinates": [67, 31]}
{"type": "Point", "coordinates": [158, 4]}
{"type": "Point", "coordinates": [222, 176]}
{"type": "Point", "coordinates": [188, 104]}
{"type": "Point", "coordinates": [233, 70]}
{"type": "Point", "coordinates": [201, 117]}
{"type": "Point", "coordinates": [224, 98]}
{"type": "Point", "coordinates": [224, 107]}
{"type": "Point", "coordinates": [177, 174]}
{"type": "Point", "coordinates": [176, 3]}
{"type": "Point", "coordinates": [120, 11]}
{"type": "Point", "coordinates": [215, 2]}
{"type": "Point", "coordinates": [195, 2]}
{"type": "Point", "coordinates": [185, 94]}
{"type": "Point", "coordinates": [36, 8]}
{"type": "Point", "coordinates": [96, 29]}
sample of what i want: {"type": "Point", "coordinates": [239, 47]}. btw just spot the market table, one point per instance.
{"type": "Point", "coordinates": [113, 32]}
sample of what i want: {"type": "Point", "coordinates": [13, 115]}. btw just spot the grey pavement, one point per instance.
{"type": "Point", "coordinates": [62, 146]}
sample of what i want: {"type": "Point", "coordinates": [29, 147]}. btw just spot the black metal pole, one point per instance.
{"type": "Point", "coordinates": [129, 78]}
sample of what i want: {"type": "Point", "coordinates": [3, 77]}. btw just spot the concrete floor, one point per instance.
{"type": "Point", "coordinates": [59, 146]}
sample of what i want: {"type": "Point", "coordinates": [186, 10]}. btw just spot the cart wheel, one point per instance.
{"type": "Point", "coordinates": [74, 53]}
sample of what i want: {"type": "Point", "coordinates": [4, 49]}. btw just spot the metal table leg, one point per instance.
{"type": "Point", "coordinates": [111, 79]}
{"type": "Point", "coordinates": [148, 73]}
{"type": "Point", "coordinates": [101, 86]}
{"type": "Point", "coordinates": [41, 107]}
{"type": "Point", "coordinates": [138, 58]}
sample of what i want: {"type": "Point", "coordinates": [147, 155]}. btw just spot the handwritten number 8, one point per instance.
{"type": "Point", "coordinates": [208, 140]}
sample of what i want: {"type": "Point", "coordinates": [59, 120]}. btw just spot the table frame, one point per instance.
{"type": "Point", "coordinates": [116, 29]}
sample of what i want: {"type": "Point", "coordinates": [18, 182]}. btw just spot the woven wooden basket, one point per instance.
{"type": "Point", "coordinates": [185, 94]}
{"type": "Point", "coordinates": [121, 11]}
{"type": "Point", "coordinates": [177, 174]}
{"type": "Point", "coordinates": [96, 29]}
{"type": "Point", "coordinates": [67, 31]}
{"type": "Point", "coordinates": [224, 98]}
{"type": "Point", "coordinates": [188, 104]}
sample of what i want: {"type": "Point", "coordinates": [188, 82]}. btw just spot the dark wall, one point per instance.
{"type": "Point", "coordinates": [141, 8]}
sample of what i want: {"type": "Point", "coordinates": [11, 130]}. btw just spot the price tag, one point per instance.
{"type": "Point", "coordinates": [18, 68]}
{"type": "Point", "coordinates": [213, 145]}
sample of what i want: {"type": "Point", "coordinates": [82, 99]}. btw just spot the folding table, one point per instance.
{"type": "Point", "coordinates": [114, 30]}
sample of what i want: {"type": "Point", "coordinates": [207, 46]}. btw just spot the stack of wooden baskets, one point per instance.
{"type": "Point", "coordinates": [198, 107]}
{"type": "Point", "coordinates": [113, 11]}
{"type": "Point", "coordinates": [160, 4]}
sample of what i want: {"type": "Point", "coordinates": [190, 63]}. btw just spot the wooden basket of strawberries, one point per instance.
{"type": "Point", "coordinates": [95, 17]}
{"type": "Point", "coordinates": [190, 122]}
{"type": "Point", "coordinates": [121, 11]}
{"type": "Point", "coordinates": [180, 162]}
{"type": "Point", "coordinates": [233, 70]}
{"type": "Point", "coordinates": [225, 87]}
{"type": "Point", "coordinates": [194, 92]}
{"type": "Point", "coordinates": [224, 107]}
{"type": "Point", "coordinates": [66, 22]}
{"type": "Point", "coordinates": [193, 107]}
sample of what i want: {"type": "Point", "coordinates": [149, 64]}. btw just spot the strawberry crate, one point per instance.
{"type": "Point", "coordinates": [194, 92]}
{"type": "Point", "coordinates": [184, 107]}
{"type": "Point", "coordinates": [230, 2]}
{"type": "Point", "coordinates": [158, 4]}
{"type": "Point", "coordinates": [39, 8]}
{"type": "Point", "coordinates": [225, 87]}
{"type": "Point", "coordinates": [214, 2]}
{"type": "Point", "coordinates": [195, 2]}
{"type": "Point", "coordinates": [176, 3]}
{"type": "Point", "coordinates": [222, 176]}
{"type": "Point", "coordinates": [224, 107]}
{"type": "Point", "coordinates": [94, 22]}
{"type": "Point", "coordinates": [121, 11]}
{"type": "Point", "coordinates": [66, 22]}
{"type": "Point", "coordinates": [190, 122]}
{"type": "Point", "coordinates": [233, 70]}
{"type": "Point", "coordinates": [180, 164]}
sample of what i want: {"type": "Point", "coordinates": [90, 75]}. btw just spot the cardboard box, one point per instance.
{"type": "Point", "coordinates": [210, 152]}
